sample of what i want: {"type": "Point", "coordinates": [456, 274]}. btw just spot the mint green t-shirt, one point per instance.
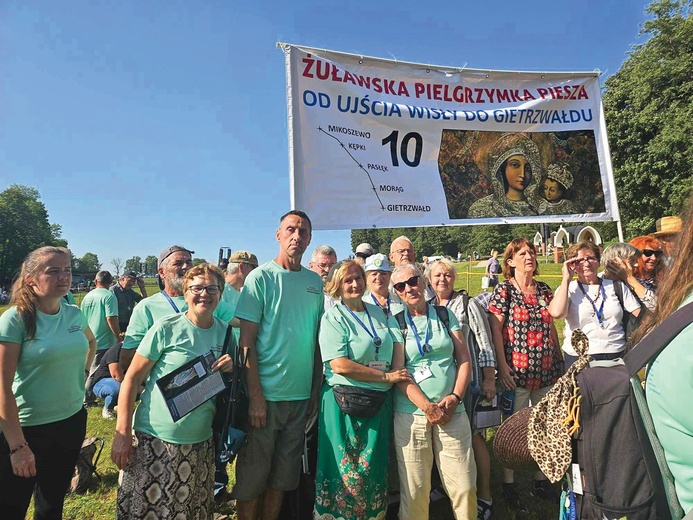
{"type": "Point", "coordinates": [156, 307]}
{"type": "Point", "coordinates": [69, 298]}
{"type": "Point", "coordinates": [441, 360]}
{"type": "Point", "coordinates": [669, 390]}
{"type": "Point", "coordinates": [49, 381]}
{"type": "Point", "coordinates": [230, 295]}
{"type": "Point", "coordinates": [171, 342]}
{"type": "Point", "coordinates": [98, 305]}
{"type": "Point", "coordinates": [341, 335]}
{"type": "Point", "coordinates": [287, 306]}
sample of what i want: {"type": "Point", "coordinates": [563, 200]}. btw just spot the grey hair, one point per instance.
{"type": "Point", "coordinates": [413, 267]}
{"type": "Point", "coordinates": [620, 250]}
{"type": "Point", "coordinates": [233, 267]}
{"type": "Point", "coordinates": [104, 278]}
{"type": "Point", "coordinates": [403, 238]}
{"type": "Point", "coordinates": [323, 250]}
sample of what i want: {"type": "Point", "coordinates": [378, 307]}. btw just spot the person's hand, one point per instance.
{"type": "Point", "coordinates": [23, 462]}
{"type": "Point", "coordinates": [488, 388]}
{"type": "Point", "coordinates": [568, 269]}
{"type": "Point", "coordinates": [398, 375]}
{"type": "Point", "coordinates": [121, 449]}
{"type": "Point", "coordinates": [434, 414]}
{"type": "Point", "coordinates": [257, 411]}
{"type": "Point", "coordinates": [448, 405]}
{"type": "Point", "coordinates": [506, 376]}
{"type": "Point", "coordinates": [224, 363]}
{"type": "Point", "coordinates": [617, 269]}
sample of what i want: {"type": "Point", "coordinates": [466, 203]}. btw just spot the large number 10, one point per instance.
{"type": "Point", "coordinates": [404, 148]}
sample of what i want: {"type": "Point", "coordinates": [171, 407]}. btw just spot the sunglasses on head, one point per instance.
{"type": "Point", "coordinates": [650, 252]}
{"type": "Point", "coordinates": [412, 282]}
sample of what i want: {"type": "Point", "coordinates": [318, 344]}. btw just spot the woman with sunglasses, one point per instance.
{"type": "Point", "coordinates": [429, 421]}
{"type": "Point", "coordinates": [169, 472]}
{"type": "Point", "coordinates": [651, 263]}
{"type": "Point", "coordinates": [357, 342]}
{"type": "Point", "coordinates": [591, 304]}
{"type": "Point", "coordinates": [526, 343]}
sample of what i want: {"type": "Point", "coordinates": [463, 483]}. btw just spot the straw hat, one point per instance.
{"type": "Point", "coordinates": [667, 226]}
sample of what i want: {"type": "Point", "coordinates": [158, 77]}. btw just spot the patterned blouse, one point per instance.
{"type": "Point", "coordinates": [529, 348]}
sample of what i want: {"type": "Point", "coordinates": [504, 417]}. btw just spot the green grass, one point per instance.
{"type": "Point", "coordinates": [99, 502]}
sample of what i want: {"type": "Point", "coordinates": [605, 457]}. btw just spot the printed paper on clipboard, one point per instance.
{"type": "Point", "coordinates": [191, 385]}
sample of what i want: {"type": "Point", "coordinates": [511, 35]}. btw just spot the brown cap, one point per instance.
{"type": "Point", "coordinates": [245, 257]}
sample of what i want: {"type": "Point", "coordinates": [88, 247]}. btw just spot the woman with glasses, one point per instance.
{"type": "Point", "coordinates": [526, 343]}
{"type": "Point", "coordinates": [168, 468]}
{"type": "Point", "coordinates": [378, 274]}
{"type": "Point", "coordinates": [591, 304]}
{"type": "Point", "coordinates": [357, 342]}
{"type": "Point", "coordinates": [429, 421]}
{"type": "Point", "coordinates": [45, 348]}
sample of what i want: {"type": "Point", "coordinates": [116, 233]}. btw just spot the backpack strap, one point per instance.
{"type": "Point", "coordinates": [443, 316]}
{"type": "Point", "coordinates": [402, 324]}
{"type": "Point", "coordinates": [652, 344]}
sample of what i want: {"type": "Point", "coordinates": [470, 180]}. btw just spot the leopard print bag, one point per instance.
{"type": "Point", "coordinates": [556, 418]}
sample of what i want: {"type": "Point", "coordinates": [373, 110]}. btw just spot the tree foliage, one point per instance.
{"type": "Point", "coordinates": [150, 265]}
{"type": "Point", "coordinates": [24, 227]}
{"type": "Point", "coordinates": [117, 265]}
{"type": "Point", "coordinates": [648, 106]}
{"type": "Point", "coordinates": [133, 264]}
{"type": "Point", "coordinates": [89, 263]}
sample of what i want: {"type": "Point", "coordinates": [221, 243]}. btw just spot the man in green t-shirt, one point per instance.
{"type": "Point", "coordinates": [279, 310]}
{"type": "Point", "coordinates": [239, 266]}
{"type": "Point", "coordinates": [100, 309]}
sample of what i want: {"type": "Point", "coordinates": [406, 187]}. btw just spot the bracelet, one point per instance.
{"type": "Point", "coordinates": [459, 399]}
{"type": "Point", "coordinates": [17, 448]}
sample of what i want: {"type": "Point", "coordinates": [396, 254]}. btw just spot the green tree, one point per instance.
{"type": "Point", "coordinates": [24, 227]}
{"type": "Point", "coordinates": [134, 264]}
{"type": "Point", "coordinates": [150, 265]}
{"type": "Point", "coordinates": [648, 106]}
{"type": "Point", "coordinates": [198, 261]}
{"type": "Point", "coordinates": [89, 263]}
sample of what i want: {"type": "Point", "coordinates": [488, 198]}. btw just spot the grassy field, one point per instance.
{"type": "Point", "coordinates": [99, 502]}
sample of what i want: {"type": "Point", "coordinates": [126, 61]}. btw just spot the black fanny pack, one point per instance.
{"type": "Point", "coordinates": [358, 402]}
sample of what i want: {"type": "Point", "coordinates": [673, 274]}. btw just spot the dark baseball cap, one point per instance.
{"type": "Point", "coordinates": [170, 250]}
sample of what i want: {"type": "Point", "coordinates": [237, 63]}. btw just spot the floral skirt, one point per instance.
{"type": "Point", "coordinates": [167, 481]}
{"type": "Point", "coordinates": [351, 480]}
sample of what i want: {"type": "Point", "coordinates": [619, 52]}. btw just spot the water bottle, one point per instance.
{"type": "Point", "coordinates": [507, 402]}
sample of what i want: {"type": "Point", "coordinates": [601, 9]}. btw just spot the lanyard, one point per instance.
{"type": "Point", "coordinates": [426, 348]}
{"type": "Point", "coordinates": [598, 313]}
{"type": "Point", "coordinates": [376, 340]}
{"type": "Point", "coordinates": [386, 311]}
{"type": "Point", "coordinates": [170, 301]}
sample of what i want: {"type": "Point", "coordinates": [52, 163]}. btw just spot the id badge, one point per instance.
{"type": "Point", "coordinates": [378, 365]}
{"type": "Point", "coordinates": [422, 375]}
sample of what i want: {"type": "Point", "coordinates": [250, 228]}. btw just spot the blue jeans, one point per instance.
{"type": "Point", "coordinates": [107, 389]}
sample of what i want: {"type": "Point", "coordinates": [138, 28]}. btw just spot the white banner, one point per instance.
{"type": "Point", "coordinates": [379, 143]}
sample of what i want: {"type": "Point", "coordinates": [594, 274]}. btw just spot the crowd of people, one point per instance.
{"type": "Point", "coordinates": [358, 366]}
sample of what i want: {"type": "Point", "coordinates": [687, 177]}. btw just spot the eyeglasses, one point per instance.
{"type": "Point", "coordinates": [412, 282]}
{"type": "Point", "coordinates": [197, 289]}
{"type": "Point", "coordinates": [402, 251]}
{"type": "Point", "coordinates": [324, 267]}
{"type": "Point", "coordinates": [585, 260]}
{"type": "Point", "coordinates": [649, 252]}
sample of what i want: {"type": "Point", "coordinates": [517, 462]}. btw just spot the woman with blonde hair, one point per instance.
{"type": "Point", "coordinates": [357, 341]}
{"type": "Point", "coordinates": [45, 348]}
{"type": "Point", "coordinates": [169, 473]}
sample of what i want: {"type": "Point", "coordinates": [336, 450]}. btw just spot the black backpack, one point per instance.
{"type": "Point", "coordinates": [623, 470]}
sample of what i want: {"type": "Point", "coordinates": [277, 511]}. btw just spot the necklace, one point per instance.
{"type": "Point", "coordinates": [534, 292]}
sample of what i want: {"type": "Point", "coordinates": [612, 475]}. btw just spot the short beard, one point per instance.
{"type": "Point", "coordinates": [176, 283]}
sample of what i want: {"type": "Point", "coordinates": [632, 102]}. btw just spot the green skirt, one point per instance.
{"type": "Point", "coordinates": [351, 480]}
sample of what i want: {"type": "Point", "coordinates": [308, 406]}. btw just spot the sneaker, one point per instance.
{"type": "Point", "coordinates": [483, 509]}
{"type": "Point", "coordinates": [219, 492]}
{"type": "Point", "coordinates": [512, 498]}
{"type": "Point", "coordinates": [545, 490]}
{"type": "Point", "coordinates": [107, 414]}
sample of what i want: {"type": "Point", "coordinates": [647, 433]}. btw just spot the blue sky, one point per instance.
{"type": "Point", "coordinates": [144, 124]}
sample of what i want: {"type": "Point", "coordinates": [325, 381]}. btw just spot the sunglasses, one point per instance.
{"type": "Point", "coordinates": [649, 252]}
{"type": "Point", "coordinates": [412, 282]}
